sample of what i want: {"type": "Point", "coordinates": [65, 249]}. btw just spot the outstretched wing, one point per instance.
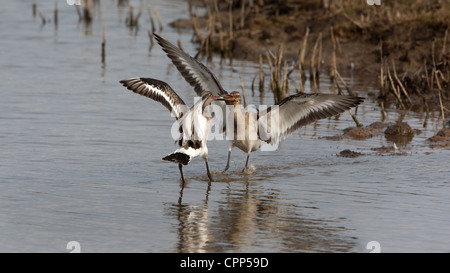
{"type": "Point", "coordinates": [158, 91]}
{"type": "Point", "coordinates": [298, 110]}
{"type": "Point", "coordinates": [194, 72]}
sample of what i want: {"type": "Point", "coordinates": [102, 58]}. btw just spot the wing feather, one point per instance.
{"type": "Point", "coordinates": [299, 110]}
{"type": "Point", "coordinates": [194, 72]}
{"type": "Point", "coordinates": [158, 91]}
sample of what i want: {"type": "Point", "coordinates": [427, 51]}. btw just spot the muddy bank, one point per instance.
{"type": "Point", "coordinates": [441, 139]}
{"type": "Point", "coordinates": [399, 133]}
{"type": "Point", "coordinates": [402, 43]}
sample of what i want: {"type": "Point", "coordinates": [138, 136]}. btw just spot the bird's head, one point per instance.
{"type": "Point", "coordinates": [234, 98]}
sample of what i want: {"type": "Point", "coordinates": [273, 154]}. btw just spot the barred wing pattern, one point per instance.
{"type": "Point", "coordinates": [158, 91]}
{"type": "Point", "coordinates": [194, 72]}
{"type": "Point", "coordinates": [298, 110]}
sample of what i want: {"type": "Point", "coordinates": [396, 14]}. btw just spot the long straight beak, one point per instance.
{"type": "Point", "coordinates": [224, 97]}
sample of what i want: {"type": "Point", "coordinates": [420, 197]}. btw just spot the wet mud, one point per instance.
{"type": "Point", "coordinates": [404, 43]}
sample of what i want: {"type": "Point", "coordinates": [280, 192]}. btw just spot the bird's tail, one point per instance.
{"type": "Point", "coordinates": [178, 157]}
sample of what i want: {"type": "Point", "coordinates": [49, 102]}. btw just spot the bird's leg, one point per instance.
{"type": "Point", "coordinates": [228, 160]}
{"type": "Point", "coordinates": [246, 163]}
{"type": "Point", "coordinates": [180, 199]}
{"type": "Point", "coordinates": [207, 171]}
{"type": "Point", "coordinates": [181, 172]}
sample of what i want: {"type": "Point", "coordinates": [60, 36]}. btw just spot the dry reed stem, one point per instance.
{"type": "Point", "coordinates": [242, 13]}
{"type": "Point", "coordinates": [129, 20]}
{"type": "Point", "coordinates": [253, 83]}
{"type": "Point", "coordinates": [191, 14]}
{"type": "Point", "coordinates": [230, 17]}
{"type": "Point", "coordinates": [281, 92]}
{"type": "Point", "coordinates": [55, 15]}
{"type": "Point", "coordinates": [400, 83]}
{"type": "Point", "coordinates": [179, 45]}
{"type": "Point", "coordinates": [382, 79]}
{"type": "Point", "coordinates": [381, 70]}
{"type": "Point", "coordinates": [444, 44]}
{"type": "Point", "coordinates": [216, 7]}
{"type": "Point", "coordinates": [205, 44]}
{"type": "Point", "coordinates": [442, 76]}
{"type": "Point", "coordinates": [150, 37]}
{"type": "Point", "coordinates": [34, 9]}
{"type": "Point", "coordinates": [278, 61]}
{"type": "Point", "coordinates": [340, 92]}
{"type": "Point", "coordinates": [344, 83]}
{"type": "Point", "coordinates": [302, 77]}
{"type": "Point", "coordinates": [285, 81]}
{"type": "Point", "coordinates": [440, 99]}
{"type": "Point", "coordinates": [312, 66]}
{"type": "Point", "coordinates": [243, 92]}
{"type": "Point", "coordinates": [42, 17]}
{"type": "Point", "coordinates": [103, 45]}
{"type": "Point", "coordinates": [87, 10]}
{"type": "Point", "coordinates": [269, 61]}
{"type": "Point", "coordinates": [349, 110]}
{"type": "Point", "coordinates": [278, 74]}
{"type": "Point", "coordinates": [383, 112]}
{"type": "Point", "coordinates": [196, 28]}
{"type": "Point", "coordinates": [397, 95]}
{"type": "Point", "coordinates": [272, 76]}
{"type": "Point", "coordinates": [354, 118]}
{"type": "Point", "coordinates": [433, 70]}
{"type": "Point", "coordinates": [433, 45]}
{"type": "Point", "coordinates": [136, 19]}
{"type": "Point", "coordinates": [357, 24]}
{"type": "Point", "coordinates": [296, 86]}
{"type": "Point", "coordinates": [261, 74]}
{"type": "Point", "coordinates": [336, 73]}
{"type": "Point", "coordinates": [150, 16]}
{"type": "Point", "coordinates": [301, 59]}
{"type": "Point", "coordinates": [271, 54]}
{"type": "Point", "coordinates": [333, 57]}
{"type": "Point", "coordinates": [158, 18]}
{"type": "Point", "coordinates": [305, 41]}
{"type": "Point", "coordinates": [221, 42]}
{"type": "Point", "coordinates": [319, 57]}
{"type": "Point", "coordinates": [426, 73]}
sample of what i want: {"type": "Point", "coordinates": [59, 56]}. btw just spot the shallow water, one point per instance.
{"type": "Point", "coordinates": [81, 156]}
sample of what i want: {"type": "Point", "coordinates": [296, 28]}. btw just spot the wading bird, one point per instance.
{"type": "Point", "coordinates": [276, 122]}
{"type": "Point", "coordinates": [249, 128]}
{"type": "Point", "coordinates": [193, 124]}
